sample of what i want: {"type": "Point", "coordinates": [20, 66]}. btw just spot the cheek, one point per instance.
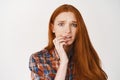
{"type": "Point", "coordinates": [58, 33]}
{"type": "Point", "coordinates": [74, 33]}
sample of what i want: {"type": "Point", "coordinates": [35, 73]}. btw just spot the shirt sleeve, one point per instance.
{"type": "Point", "coordinates": [39, 69]}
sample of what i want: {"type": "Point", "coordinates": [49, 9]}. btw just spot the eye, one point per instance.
{"type": "Point", "coordinates": [60, 24]}
{"type": "Point", "coordinates": [74, 24]}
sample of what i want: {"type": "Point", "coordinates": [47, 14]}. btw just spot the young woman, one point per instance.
{"type": "Point", "coordinates": [69, 54]}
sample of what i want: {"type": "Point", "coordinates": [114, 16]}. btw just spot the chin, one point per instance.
{"type": "Point", "coordinates": [69, 43]}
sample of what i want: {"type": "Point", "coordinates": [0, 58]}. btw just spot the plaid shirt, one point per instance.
{"type": "Point", "coordinates": [44, 65]}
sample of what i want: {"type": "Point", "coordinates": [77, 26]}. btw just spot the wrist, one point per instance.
{"type": "Point", "coordinates": [64, 62]}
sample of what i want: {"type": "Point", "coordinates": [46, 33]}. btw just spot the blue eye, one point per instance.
{"type": "Point", "coordinates": [74, 24]}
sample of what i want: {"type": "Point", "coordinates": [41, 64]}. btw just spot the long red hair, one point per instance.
{"type": "Point", "coordinates": [86, 61]}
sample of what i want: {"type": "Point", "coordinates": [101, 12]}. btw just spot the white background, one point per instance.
{"type": "Point", "coordinates": [24, 27]}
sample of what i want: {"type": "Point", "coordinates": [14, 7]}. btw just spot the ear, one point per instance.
{"type": "Point", "coordinates": [52, 27]}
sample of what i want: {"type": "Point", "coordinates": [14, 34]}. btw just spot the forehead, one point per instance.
{"type": "Point", "coordinates": [65, 16]}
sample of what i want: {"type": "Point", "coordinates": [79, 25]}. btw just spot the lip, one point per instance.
{"type": "Point", "coordinates": [68, 37]}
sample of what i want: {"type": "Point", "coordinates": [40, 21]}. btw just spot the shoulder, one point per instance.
{"type": "Point", "coordinates": [44, 53]}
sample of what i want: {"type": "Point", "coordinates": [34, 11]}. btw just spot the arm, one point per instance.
{"type": "Point", "coordinates": [61, 73]}
{"type": "Point", "coordinates": [39, 71]}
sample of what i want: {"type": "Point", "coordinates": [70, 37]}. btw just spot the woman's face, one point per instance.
{"type": "Point", "coordinates": [65, 25]}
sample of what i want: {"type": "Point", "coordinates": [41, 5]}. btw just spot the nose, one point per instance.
{"type": "Point", "coordinates": [68, 29]}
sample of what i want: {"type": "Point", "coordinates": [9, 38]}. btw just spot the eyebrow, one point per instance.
{"type": "Point", "coordinates": [72, 21]}
{"type": "Point", "coordinates": [61, 21]}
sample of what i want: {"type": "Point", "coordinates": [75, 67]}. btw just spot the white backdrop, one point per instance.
{"type": "Point", "coordinates": [23, 31]}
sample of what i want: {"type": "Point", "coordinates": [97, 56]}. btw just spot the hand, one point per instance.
{"type": "Point", "coordinates": [59, 43]}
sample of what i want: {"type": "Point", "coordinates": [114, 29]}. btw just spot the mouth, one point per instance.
{"type": "Point", "coordinates": [68, 37]}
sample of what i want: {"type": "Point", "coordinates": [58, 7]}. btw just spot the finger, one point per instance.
{"type": "Point", "coordinates": [62, 43]}
{"type": "Point", "coordinates": [60, 37]}
{"type": "Point", "coordinates": [59, 40]}
{"type": "Point", "coordinates": [63, 37]}
{"type": "Point", "coordinates": [59, 43]}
